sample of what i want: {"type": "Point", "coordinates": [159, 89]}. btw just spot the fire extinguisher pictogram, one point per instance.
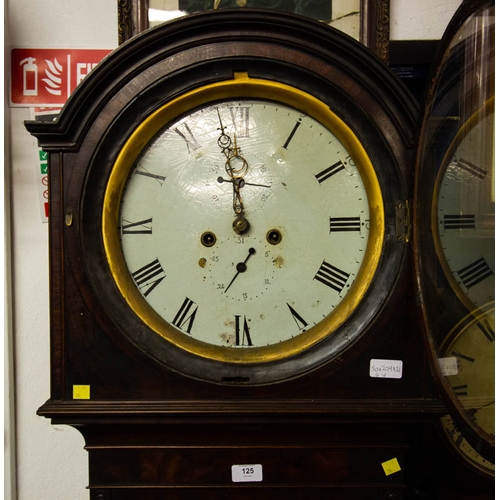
{"type": "Point", "coordinates": [30, 76]}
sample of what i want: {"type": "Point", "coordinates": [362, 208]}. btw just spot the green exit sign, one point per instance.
{"type": "Point", "coordinates": [43, 162]}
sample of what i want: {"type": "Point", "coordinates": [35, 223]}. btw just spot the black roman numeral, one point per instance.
{"type": "Point", "coordinates": [341, 224]}
{"type": "Point", "coordinates": [147, 278]}
{"type": "Point", "coordinates": [240, 117]}
{"type": "Point", "coordinates": [292, 133]}
{"type": "Point", "coordinates": [472, 169]}
{"type": "Point", "coordinates": [460, 221]}
{"type": "Point", "coordinates": [141, 227]}
{"type": "Point", "coordinates": [301, 323]}
{"type": "Point", "coordinates": [486, 329]}
{"type": "Point", "coordinates": [186, 314]}
{"type": "Point", "coordinates": [463, 356]}
{"type": "Point", "coordinates": [460, 390]}
{"type": "Point", "coordinates": [185, 132]}
{"type": "Point", "coordinates": [332, 276]}
{"type": "Point", "coordinates": [474, 273]}
{"type": "Point", "coordinates": [242, 334]}
{"type": "Point", "coordinates": [159, 178]}
{"type": "Point", "coordinates": [328, 172]}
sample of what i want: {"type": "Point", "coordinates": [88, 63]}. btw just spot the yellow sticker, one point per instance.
{"type": "Point", "coordinates": [391, 466]}
{"type": "Point", "coordinates": [81, 392]}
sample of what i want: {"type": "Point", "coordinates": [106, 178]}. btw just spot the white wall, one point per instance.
{"type": "Point", "coordinates": [51, 462]}
{"type": "Point", "coordinates": [420, 19]}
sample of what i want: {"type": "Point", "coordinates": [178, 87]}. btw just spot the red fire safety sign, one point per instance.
{"type": "Point", "coordinates": [46, 77]}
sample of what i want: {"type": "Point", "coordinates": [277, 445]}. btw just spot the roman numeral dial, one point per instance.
{"type": "Point", "coordinates": [275, 288]}
{"type": "Point", "coordinates": [472, 343]}
{"type": "Point", "coordinates": [465, 213]}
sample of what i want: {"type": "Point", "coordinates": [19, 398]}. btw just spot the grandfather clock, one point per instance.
{"type": "Point", "coordinates": [233, 298]}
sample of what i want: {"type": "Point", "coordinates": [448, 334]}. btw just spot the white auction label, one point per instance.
{"type": "Point", "coordinates": [386, 368]}
{"type": "Point", "coordinates": [449, 366]}
{"type": "Point", "coordinates": [246, 473]}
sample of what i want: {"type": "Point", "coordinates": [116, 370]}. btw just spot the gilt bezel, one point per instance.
{"type": "Point", "coordinates": [241, 86]}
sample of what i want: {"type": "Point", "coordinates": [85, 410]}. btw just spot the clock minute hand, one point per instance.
{"type": "Point", "coordinates": [224, 141]}
{"type": "Point", "coordinates": [242, 182]}
{"type": "Point", "coordinates": [241, 267]}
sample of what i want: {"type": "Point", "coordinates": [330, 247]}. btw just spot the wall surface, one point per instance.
{"type": "Point", "coordinates": [50, 462]}
{"type": "Point", "coordinates": [422, 19]}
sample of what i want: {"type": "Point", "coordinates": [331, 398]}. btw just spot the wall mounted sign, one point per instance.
{"type": "Point", "coordinates": [47, 77]}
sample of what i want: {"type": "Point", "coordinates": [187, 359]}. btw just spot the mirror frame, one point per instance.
{"type": "Point", "coordinates": [374, 23]}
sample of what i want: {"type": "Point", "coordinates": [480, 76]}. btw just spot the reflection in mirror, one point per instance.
{"type": "Point", "coordinates": [365, 20]}
{"type": "Point", "coordinates": [344, 15]}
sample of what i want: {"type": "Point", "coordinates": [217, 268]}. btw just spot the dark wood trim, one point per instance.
{"type": "Point", "coordinates": [375, 26]}
{"type": "Point", "coordinates": [56, 258]}
{"type": "Point", "coordinates": [328, 410]}
{"type": "Point", "coordinates": [132, 18]}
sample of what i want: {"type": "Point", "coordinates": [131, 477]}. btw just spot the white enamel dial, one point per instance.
{"type": "Point", "coordinates": [246, 224]}
{"type": "Point", "coordinates": [458, 441]}
{"type": "Point", "coordinates": [472, 345]}
{"type": "Point", "coordinates": [466, 213]}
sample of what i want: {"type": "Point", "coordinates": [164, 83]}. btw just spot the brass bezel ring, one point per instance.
{"type": "Point", "coordinates": [242, 86]}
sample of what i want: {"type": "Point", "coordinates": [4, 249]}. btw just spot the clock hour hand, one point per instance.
{"type": "Point", "coordinates": [473, 411]}
{"type": "Point", "coordinates": [241, 267]}
{"type": "Point", "coordinates": [236, 168]}
{"type": "Point", "coordinates": [240, 224]}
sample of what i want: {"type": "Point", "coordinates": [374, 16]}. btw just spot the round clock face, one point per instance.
{"type": "Point", "coordinates": [465, 211]}
{"type": "Point", "coordinates": [249, 229]}
{"type": "Point", "coordinates": [471, 456]}
{"type": "Point", "coordinates": [471, 348]}
{"type": "Point", "coordinates": [454, 228]}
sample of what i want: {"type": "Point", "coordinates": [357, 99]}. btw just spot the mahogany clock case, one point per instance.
{"type": "Point", "coordinates": [179, 57]}
{"type": "Point", "coordinates": [147, 423]}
